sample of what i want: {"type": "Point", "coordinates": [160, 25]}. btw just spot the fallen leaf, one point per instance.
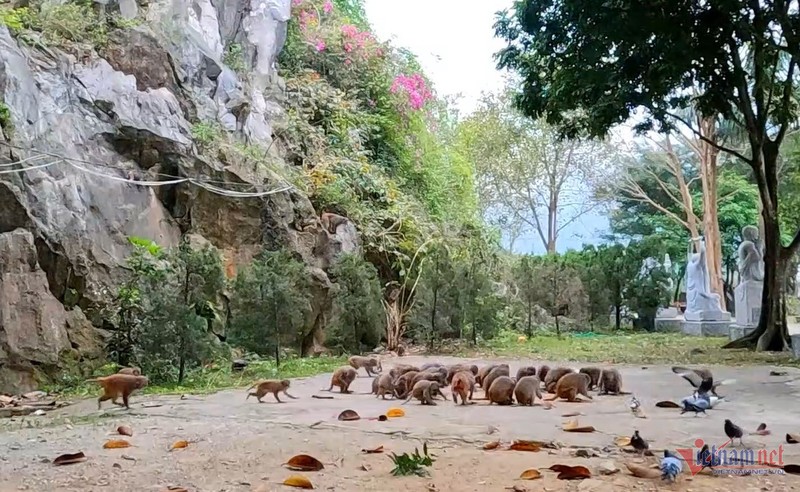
{"type": "Point", "coordinates": [566, 472]}
{"type": "Point", "coordinates": [395, 412]}
{"type": "Point", "coordinates": [491, 445]}
{"type": "Point", "coordinates": [175, 488]}
{"type": "Point", "coordinates": [126, 457]}
{"type": "Point", "coordinates": [517, 488]}
{"type": "Point", "coordinates": [116, 444]}
{"type": "Point", "coordinates": [366, 467]}
{"type": "Point", "coordinates": [531, 474]}
{"type": "Point", "coordinates": [304, 462]}
{"type": "Point", "coordinates": [640, 471]}
{"type": "Point", "coordinates": [574, 426]}
{"type": "Point", "coordinates": [379, 449]}
{"type": "Point", "coordinates": [667, 404]}
{"type": "Point", "coordinates": [68, 459]}
{"type": "Point", "coordinates": [792, 438]}
{"type": "Point", "coordinates": [349, 415]}
{"type": "Point", "coordinates": [179, 445]}
{"type": "Point", "coordinates": [319, 397]}
{"type": "Point", "coordinates": [622, 441]}
{"type": "Point", "coordinates": [382, 418]}
{"type": "Point", "coordinates": [572, 414]}
{"type": "Point", "coordinates": [525, 446]}
{"type": "Point", "coordinates": [298, 481]}
{"type": "Point", "coordinates": [124, 430]}
{"type": "Point", "coordinates": [793, 469]}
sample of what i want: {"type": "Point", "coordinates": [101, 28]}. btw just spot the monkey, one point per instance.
{"type": "Point", "coordinates": [527, 389]}
{"type": "Point", "coordinates": [273, 386]}
{"type": "Point", "coordinates": [553, 376]}
{"type": "Point", "coordinates": [375, 381]}
{"type": "Point", "coordinates": [461, 382]}
{"type": "Point", "coordinates": [425, 391]}
{"type": "Point", "coordinates": [571, 385]}
{"type": "Point", "coordinates": [385, 385]}
{"type": "Point", "coordinates": [452, 370]}
{"type": "Point", "coordinates": [501, 391]}
{"type": "Point", "coordinates": [594, 374]}
{"type": "Point", "coordinates": [438, 374]}
{"type": "Point", "coordinates": [117, 385]}
{"type": "Point", "coordinates": [131, 371]}
{"type": "Point", "coordinates": [401, 369]}
{"type": "Point", "coordinates": [303, 223]}
{"type": "Point", "coordinates": [368, 363]}
{"type": "Point", "coordinates": [483, 372]}
{"type": "Point", "coordinates": [610, 382]}
{"type": "Point", "coordinates": [501, 370]}
{"type": "Point", "coordinates": [343, 378]}
{"type": "Point", "coordinates": [403, 384]}
{"type": "Point", "coordinates": [331, 221]}
{"type": "Point", "coordinates": [543, 370]}
{"type": "Point", "coordinates": [429, 365]}
{"type": "Point", "coordinates": [526, 371]}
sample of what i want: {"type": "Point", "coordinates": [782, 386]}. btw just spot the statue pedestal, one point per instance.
{"type": "Point", "coordinates": [748, 302]}
{"type": "Point", "coordinates": [668, 320]}
{"type": "Point", "coordinates": [707, 316]}
{"type": "Point", "coordinates": [737, 331]}
{"type": "Point", "coordinates": [706, 323]}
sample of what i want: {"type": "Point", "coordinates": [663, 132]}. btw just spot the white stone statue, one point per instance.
{"type": "Point", "coordinates": [797, 283]}
{"type": "Point", "coordinates": [701, 303]}
{"type": "Point", "coordinates": [751, 259]}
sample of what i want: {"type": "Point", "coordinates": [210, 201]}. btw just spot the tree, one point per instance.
{"type": "Point", "coordinates": [437, 312]}
{"type": "Point", "coordinates": [526, 174]}
{"type": "Point", "coordinates": [586, 67]}
{"type": "Point", "coordinates": [358, 323]}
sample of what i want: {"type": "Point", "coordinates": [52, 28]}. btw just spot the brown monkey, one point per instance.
{"type": "Point", "coordinates": [425, 391]}
{"type": "Point", "coordinates": [131, 371]}
{"type": "Point", "coordinates": [501, 391]}
{"type": "Point", "coordinates": [429, 365]}
{"type": "Point", "coordinates": [483, 372]}
{"type": "Point", "coordinates": [463, 382]}
{"type": "Point", "coordinates": [452, 370]}
{"type": "Point", "coordinates": [273, 386]}
{"type": "Point", "coordinates": [438, 374]}
{"type": "Point", "coordinates": [117, 385]}
{"type": "Point", "coordinates": [610, 382]}
{"type": "Point", "coordinates": [403, 384]}
{"type": "Point", "coordinates": [571, 385]}
{"type": "Point", "coordinates": [401, 369]}
{"type": "Point", "coordinates": [526, 371]}
{"type": "Point", "coordinates": [543, 370]}
{"type": "Point", "coordinates": [343, 378]}
{"type": "Point", "coordinates": [553, 376]}
{"type": "Point", "coordinates": [594, 374]}
{"type": "Point", "coordinates": [501, 370]}
{"type": "Point", "coordinates": [528, 388]}
{"type": "Point", "coordinates": [385, 385]}
{"type": "Point", "coordinates": [331, 221]}
{"type": "Point", "coordinates": [368, 363]}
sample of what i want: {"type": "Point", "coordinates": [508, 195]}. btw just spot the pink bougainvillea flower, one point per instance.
{"type": "Point", "coordinates": [296, 2]}
{"type": "Point", "coordinates": [327, 7]}
{"type": "Point", "coordinates": [348, 61]}
{"type": "Point", "coordinates": [348, 47]}
{"type": "Point", "coordinates": [415, 88]}
{"type": "Point", "coordinates": [349, 30]}
{"type": "Point", "coordinates": [320, 45]}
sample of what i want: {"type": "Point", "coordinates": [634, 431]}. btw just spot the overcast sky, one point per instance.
{"type": "Point", "coordinates": [454, 42]}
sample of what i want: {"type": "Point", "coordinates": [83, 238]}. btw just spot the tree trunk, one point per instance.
{"type": "Point", "coordinates": [529, 330]}
{"type": "Point", "coordinates": [708, 169]}
{"type": "Point", "coordinates": [618, 316]}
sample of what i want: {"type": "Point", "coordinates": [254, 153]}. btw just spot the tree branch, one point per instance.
{"type": "Point", "coordinates": [785, 101]}
{"type": "Point", "coordinates": [711, 142]}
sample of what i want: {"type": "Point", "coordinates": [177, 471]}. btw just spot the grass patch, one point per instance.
{"type": "Point", "coordinates": [626, 348]}
{"type": "Point", "coordinates": [215, 378]}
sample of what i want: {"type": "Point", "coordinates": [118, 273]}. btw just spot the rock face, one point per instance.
{"type": "Point", "coordinates": [87, 125]}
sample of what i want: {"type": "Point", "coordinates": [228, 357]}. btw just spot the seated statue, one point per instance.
{"type": "Point", "coordinates": [699, 297]}
{"type": "Point", "coordinates": [751, 261]}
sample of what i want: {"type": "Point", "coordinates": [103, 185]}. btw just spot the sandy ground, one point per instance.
{"type": "Point", "coordinates": [240, 445]}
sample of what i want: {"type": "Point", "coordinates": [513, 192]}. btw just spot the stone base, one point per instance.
{"type": "Point", "coordinates": [748, 302]}
{"type": "Point", "coordinates": [796, 346]}
{"type": "Point", "coordinates": [706, 328]}
{"type": "Point", "coordinates": [738, 331]}
{"type": "Point", "coordinates": [668, 325]}
{"type": "Point", "coordinates": [707, 316]}
{"type": "Point", "coordinates": [668, 312]}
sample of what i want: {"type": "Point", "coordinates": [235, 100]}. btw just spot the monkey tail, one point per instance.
{"type": "Point", "coordinates": [553, 398]}
{"type": "Point", "coordinates": [93, 380]}
{"type": "Point", "coordinates": [253, 386]}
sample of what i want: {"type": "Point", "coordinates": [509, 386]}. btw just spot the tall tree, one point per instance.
{"type": "Point", "coordinates": [586, 66]}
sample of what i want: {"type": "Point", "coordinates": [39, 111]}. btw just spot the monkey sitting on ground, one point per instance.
{"type": "Point", "coordinates": [403, 384]}
{"type": "Point", "coordinates": [438, 374]}
{"type": "Point", "coordinates": [375, 381]}
{"type": "Point", "coordinates": [401, 369]}
{"type": "Point", "coordinates": [501, 391]}
{"type": "Point", "coordinates": [452, 370]}
{"type": "Point", "coordinates": [542, 373]}
{"type": "Point", "coordinates": [528, 388]}
{"type": "Point", "coordinates": [331, 221]}
{"type": "Point", "coordinates": [429, 365]}
{"type": "Point", "coordinates": [594, 375]}
{"type": "Point", "coordinates": [117, 385]}
{"type": "Point", "coordinates": [273, 386]}
{"type": "Point", "coordinates": [385, 385]}
{"type": "Point", "coordinates": [571, 385]}
{"type": "Point", "coordinates": [368, 363]}
{"type": "Point", "coordinates": [463, 382]}
{"type": "Point", "coordinates": [501, 370]}
{"type": "Point", "coordinates": [425, 391]}
{"type": "Point", "coordinates": [343, 378]}
{"type": "Point", "coordinates": [553, 376]}
{"type": "Point", "coordinates": [131, 371]}
{"type": "Point", "coordinates": [526, 371]}
{"type": "Point", "coordinates": [483, 372]}
{"type": "Point", "coordinates": [610, 382]}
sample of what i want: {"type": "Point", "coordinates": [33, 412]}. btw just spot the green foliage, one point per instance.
{"type": "Point", "coordinates": [234, 58]}
{"type": "Point", "coordinates": [70, 22]}
{"type": "Point", "coordinates": [6, 122]}
{"type": "Point", "coordinates": [270, 303]}
{"type": "Point", "coordinates": [359, 319]}
{"type": "Point", "coordinates": [206, 134]}
{"type": "Point", "coordinates": [412, 464]}
{"type": "Point", "coordinates": [15, 19]}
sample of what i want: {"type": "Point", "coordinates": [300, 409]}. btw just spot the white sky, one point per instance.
{"type": "Point", "coordinates": [454, 42]}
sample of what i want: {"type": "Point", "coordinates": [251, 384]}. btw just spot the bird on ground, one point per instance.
{"type": "Point", "coordinates": [671, 466]}
{"type": "Point", "coordinates": [733, 431]}
{"type": "Point", "coordinates": [707, 459]}
{"type": "Point", "coordinates": [701, 379]}
{"type": "Point", "coordinates": [638, 443]}
{"type": "Point", "coordinates": [634, 403]}
{"type": "Point", "coordinates": [699, 405]}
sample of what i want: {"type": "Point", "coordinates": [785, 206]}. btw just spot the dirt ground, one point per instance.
{"type": "Point", "coordinates": [240, 445]}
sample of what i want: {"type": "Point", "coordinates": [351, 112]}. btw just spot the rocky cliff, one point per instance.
{"type": "Point", "coordinates": [106, 135]}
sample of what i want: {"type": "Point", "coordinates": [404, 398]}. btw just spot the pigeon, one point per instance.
{"type": "Point", "coordinates": [638, 443]}
{"type": "Point", "coordinates": [671, 466]}
{"type": "Point", "coordinates": [733, 431]}
{"type": "Point", "coordinates": [696, 405]}
{"type": "Point", "coordinates": [707, 459]}
{"type": "Point", "coordinates": [701, 379]}
{"type": "Point", "coordinates": [634, 404]}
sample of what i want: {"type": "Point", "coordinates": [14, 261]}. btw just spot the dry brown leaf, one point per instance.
{"type": "Point", "coordinates": [116, 444]}
{"type": "Point", "coordinates": [176, 488]}
{"type": "Point", "coordinates": [531, 474]}
{"type": "Point", "coordinates": [366, 467]}
{"type": "Point", "coordinates": [68, 459]}
{"type": "Point", "coordinates": [525, 446]}
{"type": "Point", "coordinates": [349, 415]}
{"type": "Point", "coordinates": [124, 430]}
{"type": "Point", "coordinates": [566, 472]}
{"type": "Point", "coordinates": [622, 441]}
{"type": "Point", "coordinates": [304, 462]}
{"type": "Point", "coordinates": [667, 404]}
{"type": "Point", "coordinates": [179, 445]}
{"type": "Point", "coordinates": [395, 412]}
{"type": "Point", "coordinates": [792, 438]}
{"type": "Point", "coordinates": [491, 445]}
{"type": "Point", "coordinates": [517, 488]}
{"type": "Point", "coordinates": [793, 469]}
{"type": "Point", "coordinates": [298, 481]}
{"type": "Point", "coordinates": [379, 449]}
{"type": "Point", "coordinates": [574, 426]}
{"type": "Point", "coordinates": [640, 471]}
{"type": "Point", "coordinates": [572, 414]}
